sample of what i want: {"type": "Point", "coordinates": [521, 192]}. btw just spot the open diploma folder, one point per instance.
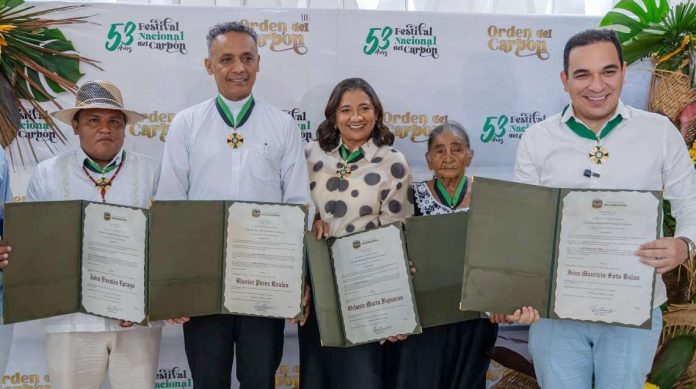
{"type": "Point", "coordinates": [212, 257]}
{"type": "Point", "coordinates": [75, 256]}
{"type": "Point", "coordinates": [569, 253]}
{"type": "Point", "coordinates": [362, 288]}
{"type": "Point", "coordinates": [202, 258]}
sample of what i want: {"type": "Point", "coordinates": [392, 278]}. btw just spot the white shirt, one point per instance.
{"type": "Point", "coordinates": [268, 167]}
{"type": "Point", "coordinates": [646, 152]}
{"type": "Point", "coordinates": [62, 178]}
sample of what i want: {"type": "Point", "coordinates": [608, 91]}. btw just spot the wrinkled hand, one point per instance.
{"type": "Point", "coordinates": [5, 251]}
{"type": "Point", "coordinates": [524, 316]}
{"type": "Point", "coordinates": [125, 323]}
{"type": "Point", "coordinates": [663, 254]}
{"type": "Point", "coordinates": [306, 306]}
{"type": "Point", "coordinates": [393, 339]}
{"type": "Point", "coordinates": [321, 229]}
{"type": "Point", "coordinates": [411, 268]}
{"type": "Point", "coordinates": [178, 320]}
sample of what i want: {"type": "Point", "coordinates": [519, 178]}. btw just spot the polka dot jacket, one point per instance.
{"type": "Point", "coordinates": [375, 192]}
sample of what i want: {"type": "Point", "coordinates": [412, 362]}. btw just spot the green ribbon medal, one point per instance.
{"type": "Point", "coordinates": [102, 184]}
{"type": "Point", "coordinates": [598, 154]}
{"type": "Point", "coordinates": [445, 198]}
{"type": "Point", "coordinates": [356, 155]}
{"type": "Point", "coordinates": [235, 139]}
{"type": "Point", "coordinates": [93, 166]}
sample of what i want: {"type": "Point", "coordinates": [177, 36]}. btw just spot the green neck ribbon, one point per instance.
{"type": "Point", "coordinates": [93, 166]}
{"type": "Point", "coordinates": [227, 115]}
{"type": "Point", "coordinates": [443, 194]}
{"type": "Point", "coordinates": [352, 157]}
{"type": "Point", "coordinates": [582, 130]}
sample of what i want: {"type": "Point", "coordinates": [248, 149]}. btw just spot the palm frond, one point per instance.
{"type": "Point", "coordinates": [37, 61]}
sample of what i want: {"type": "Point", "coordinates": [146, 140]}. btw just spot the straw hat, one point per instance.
{"type": "Point", "coordinates": [97, 94]}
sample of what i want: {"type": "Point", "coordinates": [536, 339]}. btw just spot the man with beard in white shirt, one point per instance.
{"type": "Point", "coordinates": [82, 349]}
{"type": "Point", "coordinates": [234, 147]}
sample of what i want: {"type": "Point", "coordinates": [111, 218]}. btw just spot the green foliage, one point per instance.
{"type": "Point", "coordinates": [669, 224]}
{"type": "Point", "coordinates": [672, 361]}
{"type": "Point", "coordinates": [34, 54]}
{"type": "Point", "coordinates": [651, 28]}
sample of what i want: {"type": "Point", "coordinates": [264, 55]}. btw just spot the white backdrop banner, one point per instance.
{"type": "Point", "coordinates": [495, 74]}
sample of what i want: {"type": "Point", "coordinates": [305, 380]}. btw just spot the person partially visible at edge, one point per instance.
{"type": "Point", "coordinates": [358, 182]}
{"type": "Point", "coordinates": [5, 197]}
{"type": "Point", "coordinates": [82, 349]}
{"type": "Point", "coordinates": [233, 146]}
{"type": "Point", "coordinates": [622, 148]}
{"type": "Point", "coordinates": [452, 356]}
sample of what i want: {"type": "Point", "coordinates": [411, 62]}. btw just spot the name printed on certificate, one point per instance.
{"type": "Point", "coordinates": [373, 285]}
{"type": "Point", "coordinates": [264, 260]}
{"type": "Point", "coordinates": [599, 278]}
{"type": "Point", "coordinates": [113, 262]}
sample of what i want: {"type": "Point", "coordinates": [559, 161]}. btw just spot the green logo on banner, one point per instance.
{"type": "Point", "coordinates": [494, 129]}
{"type": "Point", "coordinates": [414, 39]}
{"type": "Point", "coordinates": [497, 128]}
{"type": "Point", "coordinates": [156, 34]}
{"type": "Point", "coordinates": [377, 40]}
{"type": "Point", "coordinates": [120, 36]}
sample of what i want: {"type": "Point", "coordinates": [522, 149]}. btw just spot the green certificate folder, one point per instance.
{"type": "Point", "coordinates": [326, 291]}
{"type": "Point", "coordinates": [436, 246]}
{"type": "Point", "coordinates": [187, 257]}
{"type": "Point", "coordinates": [184, 264]}
{"type": "Point", "coordinates": [45, 277]}
{"type": "Point", "coordinates": [512, 252]}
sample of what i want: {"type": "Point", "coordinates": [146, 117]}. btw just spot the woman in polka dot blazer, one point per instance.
{"type": "Point", "coordinates": [358, 182]}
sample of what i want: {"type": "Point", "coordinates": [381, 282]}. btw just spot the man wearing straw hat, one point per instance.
{"type": "Point", "coordinates": [597, 142]}
{"type": "Point", "coordinates": [80, 348]}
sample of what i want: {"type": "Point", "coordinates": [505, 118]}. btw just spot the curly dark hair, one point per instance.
{"type": "Point", "coordinates": [327, 133]}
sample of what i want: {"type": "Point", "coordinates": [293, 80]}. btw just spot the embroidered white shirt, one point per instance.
{"type": "Point", "coordinates": [62, 178]}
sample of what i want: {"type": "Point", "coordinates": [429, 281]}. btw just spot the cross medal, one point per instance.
{"type": "Point", "coordinates": [235, 140]}
{"type": "Point", "coordinates": [343, 171]}
{"type": "Point", "coordinates": [599, 154]}
{"type": "Point", "coordinates": [103, 185]}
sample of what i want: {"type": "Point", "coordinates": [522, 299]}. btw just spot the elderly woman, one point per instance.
{"type": "Point", "coordinates": [358, 182]}
{"type": "Point", "coordinates": [451, 356]}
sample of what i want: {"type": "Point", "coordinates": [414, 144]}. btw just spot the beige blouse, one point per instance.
{"type": "Point", "coordinates": [376, 191]}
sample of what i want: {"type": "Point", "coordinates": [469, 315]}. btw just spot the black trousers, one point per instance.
{"type": "Point", "coordinates": [211, 343]}
{"type": "Point", "coordinates": [335, 367]}
{"type": "Point", "coordinates": [452, 356]}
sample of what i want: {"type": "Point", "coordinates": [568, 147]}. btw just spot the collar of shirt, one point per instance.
{"type": "Point", "coordinates": [81, 156]}
{"type": "Point", "coordinates": [570, 113]}
{"type": "Point", "coordinates": [368, 148]}
{"type": "Point", "coordinates": [236, 106]}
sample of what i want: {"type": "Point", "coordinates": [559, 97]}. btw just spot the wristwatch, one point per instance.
{"type": "Point", "coordinates": [690, 247]}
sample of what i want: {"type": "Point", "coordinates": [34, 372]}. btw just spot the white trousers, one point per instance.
{"type": "Point", "coordinates": [83, 359]}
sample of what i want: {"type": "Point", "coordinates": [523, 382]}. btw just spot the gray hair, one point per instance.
{"type": "Point", "coordinates": [453, 127]}
{"type": "Point", "coordinates": [224, 28]}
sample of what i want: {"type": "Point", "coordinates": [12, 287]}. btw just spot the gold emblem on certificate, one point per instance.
{"type": "Point", "coordinates": [599, 155]}
{"type": "Point", "coordinates": [235, 140]}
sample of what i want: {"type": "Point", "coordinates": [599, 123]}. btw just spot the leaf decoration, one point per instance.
{"type": "Point", "coordinates": [650, 28]}
{"type": "Point", "coordinates": [629, 18]}
{"type": "Point", "coordinates": [37, 61]}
